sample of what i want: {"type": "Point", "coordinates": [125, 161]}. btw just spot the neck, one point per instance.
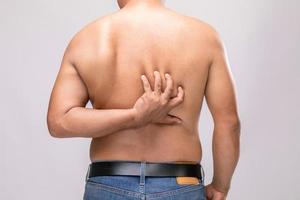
{"type": "Point", "coordinates": [148, 3]}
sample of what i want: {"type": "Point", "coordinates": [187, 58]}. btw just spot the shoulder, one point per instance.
{"type": "Point", "coordinates": [201, 29]}
{"type": "Point", "coordinates": [84, 44]}
{"type": "Point", "coordinates": [208, 36]}
{"type": "Point", "coordinates": [212, 36]}
{"type": "Point", "coordinates": [207, 30]}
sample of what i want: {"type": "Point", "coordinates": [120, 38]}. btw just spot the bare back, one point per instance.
{"type": "Point", "coordinates": [115, 50]}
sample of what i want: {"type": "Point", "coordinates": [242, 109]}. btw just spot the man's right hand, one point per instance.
{"type": "Point", "coordinates": [153, 106]}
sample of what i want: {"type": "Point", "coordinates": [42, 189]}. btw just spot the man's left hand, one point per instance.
{"type": "Point", "coordinates": [213, 194]}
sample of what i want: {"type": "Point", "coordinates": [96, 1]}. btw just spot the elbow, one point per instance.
{"type": "Point", "coordinates": [230, 124]}
{"type": "Point", "coordinates": [235, 124]}
{"type": "Point", "coordinates": [54, 126]}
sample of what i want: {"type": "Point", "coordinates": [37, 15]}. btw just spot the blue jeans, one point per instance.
{"type": "Point", "coordinates": [141, 187]}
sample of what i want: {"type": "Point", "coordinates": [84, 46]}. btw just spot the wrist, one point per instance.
{"type": "Point", "coordinates": [219, 187]}
{"type": "Point", "coordinates": [135, 122]}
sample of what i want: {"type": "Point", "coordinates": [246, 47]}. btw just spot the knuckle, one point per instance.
{"type": "Point", "coordinates": [163, 102]}
{"type": "Point", "coordinates": [144, 97]}
{"type": "Point", "coordinates": [155, 98]}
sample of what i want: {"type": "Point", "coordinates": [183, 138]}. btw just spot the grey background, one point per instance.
{"type": "Point", "coordinates": [262, 39]}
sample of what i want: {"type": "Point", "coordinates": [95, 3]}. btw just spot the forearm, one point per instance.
{"type": "Point", "coordinates": [226, 154]}
{"type": "Point", "coordinates": [92, 123]}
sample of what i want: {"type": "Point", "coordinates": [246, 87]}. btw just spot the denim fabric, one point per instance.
{"type": "Point", "coordinates": [141, 187]}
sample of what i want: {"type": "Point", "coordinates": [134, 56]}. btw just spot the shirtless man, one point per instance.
{"type": "Point", "coordinates": [137, 118]}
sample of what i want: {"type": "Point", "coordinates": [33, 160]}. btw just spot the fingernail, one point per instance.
{"type": "Point", "coordinates": [167, 74]}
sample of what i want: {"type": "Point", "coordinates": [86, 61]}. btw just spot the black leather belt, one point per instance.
{"type": "Point", "coordinates": [132, 168]}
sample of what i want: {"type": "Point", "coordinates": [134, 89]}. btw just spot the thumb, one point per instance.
{"type": "Point", "coordinates": [208, 193]}
{"type": "Point", "coordinates": [176, 100]}
{"type": "Point", "coordinates": [170, 120]}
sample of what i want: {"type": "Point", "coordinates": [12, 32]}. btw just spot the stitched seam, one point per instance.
{"type": "Point", "coordinates": [181, 190]}
{"type": "Point", "coordinates": [113, 189]}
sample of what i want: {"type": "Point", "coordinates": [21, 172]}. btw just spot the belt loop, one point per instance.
{"type": "Point", "coordinates": [142, 176]}
{"type": "Point", "coordinates": [142, 172]}
{"type": "Point", "coordinates": [202, 171]}
{"type": "Point", "coordinates": [88, 173]}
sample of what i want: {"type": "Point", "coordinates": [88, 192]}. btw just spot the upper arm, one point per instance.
{"type": "Point", "coordinates": [220, 89]}
{"type": "Point", "coordinates": [69, 90]}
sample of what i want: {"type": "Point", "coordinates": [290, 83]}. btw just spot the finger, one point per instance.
{"type": "Point", "coordinates": [157, 83]}
{"type": "Point", "coordinates": [146, 84]}
{"type": "Point", "coordinates": [169, 88]}
{"type": "Point", "coordinates": [178, 99]}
